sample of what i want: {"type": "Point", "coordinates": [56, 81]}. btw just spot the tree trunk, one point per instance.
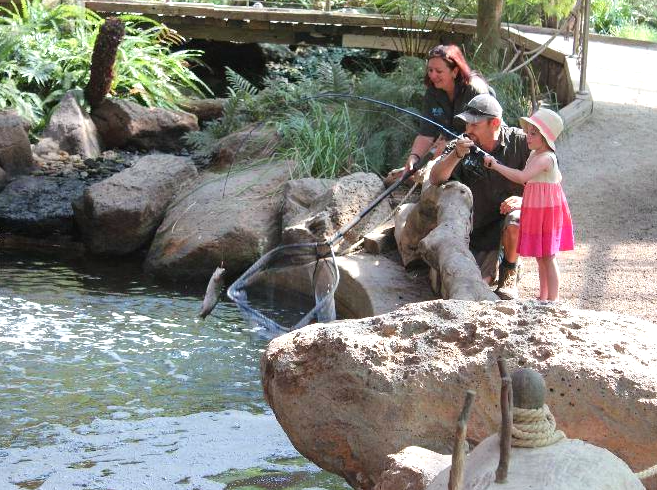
{"type": "Point", "coordinates": [446, 247]}
{"type": "Point", "coordinates": [489, 23]}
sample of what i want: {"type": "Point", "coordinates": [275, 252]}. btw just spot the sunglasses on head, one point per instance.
{"type": "Point", "coordinates": [438, 51]}
{"type": "Point", "coordinates": [479, 112]}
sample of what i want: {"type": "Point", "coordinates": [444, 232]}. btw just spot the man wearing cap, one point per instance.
{"type": "Point", "coordinates": [496, 200]}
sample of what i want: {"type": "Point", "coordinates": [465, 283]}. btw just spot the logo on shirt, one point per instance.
{"type": "Point", "coordinates": [437, 112]}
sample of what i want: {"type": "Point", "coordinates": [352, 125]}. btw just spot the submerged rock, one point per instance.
{"type": "Point", "coordinates": [352, 392]}
{"type": "Point", "coordinates": [39, 206]}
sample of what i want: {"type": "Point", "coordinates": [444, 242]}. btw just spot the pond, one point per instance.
{"type": "Point", "coordinates": [110, 381]}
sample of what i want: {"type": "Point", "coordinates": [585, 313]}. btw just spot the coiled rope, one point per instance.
{"type": "Point", "coordinates": [534, 427]}
{"type": "Point", "coordinates": [537, 428]}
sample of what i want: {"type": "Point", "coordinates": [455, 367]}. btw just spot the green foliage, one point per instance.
{"type": "Point", "coordinates": [641, 32]}
{"type": "Point", "coordinates": [414, 16]}
{"type": "Point", "coordinates": [46, 51]}
{"type": "Point", "coordinates": [324, 143]}
{"type": "Point", "coordinates": [635, 19]}
{"type": "Point", "coordinates": [328, 139]}
{"type": "Point", "coordinates": [606, 14]}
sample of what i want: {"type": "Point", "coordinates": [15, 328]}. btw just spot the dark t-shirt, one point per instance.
{"type": "Point", "coordinates": [489, 188]}
{"type": "Point", "coordinates": [439, 108]}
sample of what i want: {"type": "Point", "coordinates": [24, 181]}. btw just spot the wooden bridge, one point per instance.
{"type": "Point", "coordinates": [251, 24]}
{"type": "Point", "coordinates": [291, 26]}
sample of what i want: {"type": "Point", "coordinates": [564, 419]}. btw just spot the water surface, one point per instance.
{"type": "Point", "coordinates": [84, 341]}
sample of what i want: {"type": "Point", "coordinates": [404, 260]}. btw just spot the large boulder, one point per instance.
{"type": "Point", "coordinates": [125, 124]}
{"type": "Point", "coordinates": [567, 465]}
{"type": "Point", "coordinates": [120, 214]}
{"type": "Point", "coordinates": [255, 142]}
{"type": "Point", "coordinates": [15, 151]}
{"type": "Point", "coordinates": [232, 219]}
{"type": "Point", "coordinates": [352, 392]}
{"type": "Point", "coordinates": [341, 203]}
{"type": "Point", "coordinates": [71, 128]}
{"type": "Point", "coordinates": [39, 206]}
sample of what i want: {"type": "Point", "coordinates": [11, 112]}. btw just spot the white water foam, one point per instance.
{"type": "Point", "coordinates": [160, 453]}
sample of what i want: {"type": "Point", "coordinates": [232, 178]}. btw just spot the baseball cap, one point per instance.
{"type": "Point", "coordinates": [481, 107]}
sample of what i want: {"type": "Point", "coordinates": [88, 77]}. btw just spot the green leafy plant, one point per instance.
{"type": "Point", "coordinates": [323, 142]}
{"type": "Point", "coordinates": [46, 51]}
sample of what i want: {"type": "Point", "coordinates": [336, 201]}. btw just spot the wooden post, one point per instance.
{"type": "Point", "coordinates": [458, 454]}
{"type": "Point", "coordinates": [445, 248]}
{"type": "Point", "coordinates": [506, 404]}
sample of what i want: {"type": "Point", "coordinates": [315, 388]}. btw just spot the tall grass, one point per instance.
{"type": "Point", "coordinates": [325, 144]}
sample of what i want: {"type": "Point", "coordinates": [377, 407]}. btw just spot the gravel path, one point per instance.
{"type": "Point", "coordinates": [609, 164]}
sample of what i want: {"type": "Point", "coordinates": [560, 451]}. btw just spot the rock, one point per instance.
{"type": "Point", "coordinates": [352, 392]}
{"type": "Point", "coordinates": [204, 109]}
{"type": "Point", "coordinates": [335, 208]}
{"type": "Point", "coordinates": [15, 150]}
{"type": "Point", "coordinates": [125, 124]}
{"type": "Point", "coordinates": [374, 285]}
{"type": "Point", "coordinates": [368, 285]}
{"type": "Point", "coordinates": [3, 179]}
{"type": "Point", "coordinates": [120, 214]}
{"type": "Point", "coordinates": [381, 239]}
{"type": "Point", "coordinates": [39, 206]}
{"type": "Point", "coordinates": [205, 227]}
{"type": "Point", "coordinates": [413, 468]}
{"type": "Point", "coordinates": [299, 195]}
{"type": "Point", "coordinates": [566, 465]}
{"type": "Point", "coordinates": [46, 148]}
{"type": "Point", "coordinates": [254, 142]}
{"type": "Point", "coordinates": [72, 129]}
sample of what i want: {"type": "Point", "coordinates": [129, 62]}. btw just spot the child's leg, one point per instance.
{"type": "Point", "coordinates": [553, 277]}
{"type": "Point", "coordinates": [542, 279]}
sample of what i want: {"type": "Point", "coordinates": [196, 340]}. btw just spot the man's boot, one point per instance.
{"type": "Point", "coordinates": [507, 284]}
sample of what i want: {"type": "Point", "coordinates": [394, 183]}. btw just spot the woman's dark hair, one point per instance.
{"type": "Point", "coordinates": [454, 58]}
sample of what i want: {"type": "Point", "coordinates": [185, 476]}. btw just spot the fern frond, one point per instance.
{"type": "Point", "coordinates": [334, 78]}
{"type": "Point", "coordinates": [240, 84]}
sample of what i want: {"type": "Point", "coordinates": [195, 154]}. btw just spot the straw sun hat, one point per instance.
{"type": "Point", "coordinates": [548, 123]}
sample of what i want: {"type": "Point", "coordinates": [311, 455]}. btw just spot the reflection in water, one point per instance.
{"type": "Point", "coordinates": [78, 345]}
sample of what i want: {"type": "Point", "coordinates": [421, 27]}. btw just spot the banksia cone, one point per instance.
{"type": "Point", "coordinates": [102, 61]}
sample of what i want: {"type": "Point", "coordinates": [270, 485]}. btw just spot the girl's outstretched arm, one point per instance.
{"type": "Point", "coordinates": [539, 163]}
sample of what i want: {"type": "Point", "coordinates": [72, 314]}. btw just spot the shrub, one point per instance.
{"type": "Point", "coordinates": [46, 51]}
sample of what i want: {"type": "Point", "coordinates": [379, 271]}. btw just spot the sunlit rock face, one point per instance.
{"type": "Point", "coordinates": [350, 393]}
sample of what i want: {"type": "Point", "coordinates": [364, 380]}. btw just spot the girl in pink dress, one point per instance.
{"type": "Point", "coordinates": [545, 223]}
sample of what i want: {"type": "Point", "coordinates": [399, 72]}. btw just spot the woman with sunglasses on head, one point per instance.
{"type": "Point", "coordinates": [451, 84]}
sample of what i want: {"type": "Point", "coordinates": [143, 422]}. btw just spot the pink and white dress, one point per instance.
{"type": "Point", "coordinates": [545, 223]}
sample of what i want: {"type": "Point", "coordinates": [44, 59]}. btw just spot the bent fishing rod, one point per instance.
{"type": "Point", "coordinates": [336, 95]}
{"type": "Point", "coordinates": [407, 173]}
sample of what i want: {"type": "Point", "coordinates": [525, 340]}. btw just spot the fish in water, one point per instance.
{"type": "Point", "coordinates": [211, 297]}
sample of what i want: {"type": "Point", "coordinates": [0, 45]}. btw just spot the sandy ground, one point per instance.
{"type": "Point", "coordinates": [609, 165]}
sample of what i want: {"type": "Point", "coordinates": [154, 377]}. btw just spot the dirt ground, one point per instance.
{"type": "Point", "coordinates": [609, 166]}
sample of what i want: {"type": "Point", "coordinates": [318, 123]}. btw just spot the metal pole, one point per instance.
{"type": "Point", "coordinates": [585, 48]}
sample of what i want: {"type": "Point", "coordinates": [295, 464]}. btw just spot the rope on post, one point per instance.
{"type": "Point", "coordinates": [534, 427]}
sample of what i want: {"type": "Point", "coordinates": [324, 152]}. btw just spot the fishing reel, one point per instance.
{"type": "Point", "coordinates": [473, 164]}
